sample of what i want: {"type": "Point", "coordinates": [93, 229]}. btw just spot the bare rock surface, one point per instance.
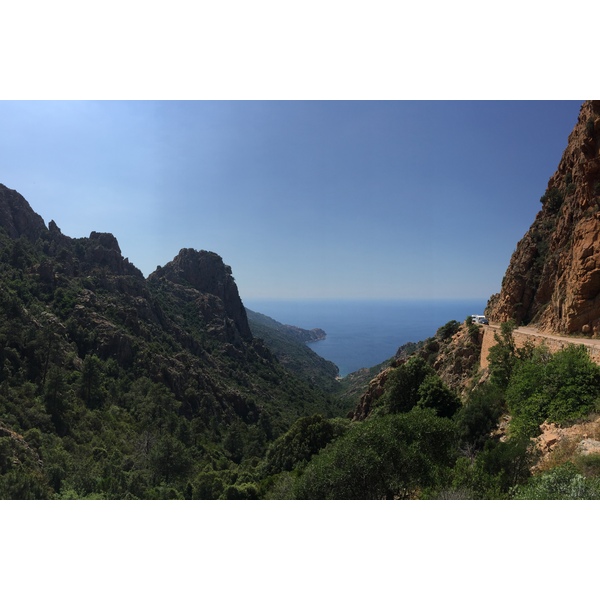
{"type": "Point", "coordinates": [553, 279]}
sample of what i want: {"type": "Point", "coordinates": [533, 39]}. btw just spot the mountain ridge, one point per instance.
{"type": "Point", "coordinates": [89, 348]}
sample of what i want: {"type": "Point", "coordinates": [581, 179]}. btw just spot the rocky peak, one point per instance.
{"type": "Point", "coordinates": [105, 240]}
{"type": "Point", "coordinates": [103, 251]}
{"type": "Point", "coordinates": [206, 273]}
{"type": "Point", "coordinates": [553, 279]}
{"type": "Point", "coordinates": [17, 217]}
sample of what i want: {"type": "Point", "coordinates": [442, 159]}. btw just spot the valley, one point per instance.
{"type": "Point", "coordinates": [114, 385]}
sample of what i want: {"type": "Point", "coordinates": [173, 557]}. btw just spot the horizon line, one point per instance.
{"type": "Point", "coordinates": [361, 299]}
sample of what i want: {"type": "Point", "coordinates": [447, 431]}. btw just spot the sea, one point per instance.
{"type": "Point", "coordinates": [365, 333]}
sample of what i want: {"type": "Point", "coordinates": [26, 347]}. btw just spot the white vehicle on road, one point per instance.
{"type": "Point", "coordinates": [480, 319]}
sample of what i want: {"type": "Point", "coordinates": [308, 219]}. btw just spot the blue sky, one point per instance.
{"type": "Point", "coordinates": [304, 199]}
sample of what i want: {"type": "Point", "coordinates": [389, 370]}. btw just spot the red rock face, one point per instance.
{"type": "Point", "coordinates": [553, 279]}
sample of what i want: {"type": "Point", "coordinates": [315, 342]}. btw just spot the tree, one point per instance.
{"type": "Point", "coordinates": [169, 458]}
{"type": "Point", "coordinates": [402, 387]}
{"type": "Point", "coordinates": [479, 415]}
{"type": "Point", "coordinates": [91, 378]}
{"type": "Point", "coordinates": [392, 456]}
{"type": "Point", "coordinates": [502, 356]}
{"type": "Point", "coordinates": [433, 393]}
{"type": "Point", "coordinates": [54, 398]}
{"type": "Point", "coordinates": [305, 438]}
{"type": "Point", "coordinates": [557, 387]}
{"type": "Point", "coordinates": [234, 442]}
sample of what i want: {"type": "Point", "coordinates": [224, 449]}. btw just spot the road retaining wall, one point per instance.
{"type": "Point", "coordinates": [521, 337]}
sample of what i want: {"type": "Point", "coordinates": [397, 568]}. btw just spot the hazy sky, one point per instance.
{"type": "Point", "coordinates": [349, 199]}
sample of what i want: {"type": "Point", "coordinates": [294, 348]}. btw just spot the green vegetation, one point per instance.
{"type": "Point", "coordinates": [409, 448]}
{"type": "Point", "coordinates": [393, 456]}
{"type": "Point", "coordinates": [305, 438]}
{"type": "Point", "coordinates": [589, 127]}
{"type": "Point", "coordinates": [553, 199]}
{"type": "Point", "coordinates": [561, 483]}
{"type": "Point", "coordinates": [117, 387]}
{"type": "Point", "coordinates": [560, 388]}
{"type": "Point", "coordinates": [113, 386]}
{"type": "Point", "coordinates": [446, 331]}
{"type": "Point", "coordinates": [288, 344]}
{"type": "Point", "coordinates": [415, 383]}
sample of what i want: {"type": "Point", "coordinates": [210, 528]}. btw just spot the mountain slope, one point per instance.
{"type": "Point", "coordinates": [288, 343]}
{"type": "Point", "coordinates": [113, 385]}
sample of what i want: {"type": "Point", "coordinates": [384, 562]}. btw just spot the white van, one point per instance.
{"type": "Point", "coordinates": [480, 319]}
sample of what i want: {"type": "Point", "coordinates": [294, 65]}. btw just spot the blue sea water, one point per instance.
{"type": "Point", "coordinates": [364, 333]}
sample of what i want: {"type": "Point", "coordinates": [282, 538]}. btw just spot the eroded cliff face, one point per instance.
{"type": "Point", "coordinates": [553, 279]}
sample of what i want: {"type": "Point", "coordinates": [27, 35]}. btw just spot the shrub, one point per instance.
{"type": "Point", "coordinates": [433, 393]}
{"type": "Point", "coordinates": [305, 437]}
{"type": "Point", "coordinates": [502, 356]}
{"type": "Point", "coordinates": [496, 470]}
{"type": "Point", "coordinates": [245, 491]}
{"type": "Point", "coordinates": [386, 457]}
{"type": "Point", "coordinates": [402, 387]}
{"type": "Point", "coordinates": [480, 415]}
{"type": "Point", "coordinates": [415, 383]}
{"type": "Point", "coordinates": [448, 330]}
{"type": "Point", "coordinates": [562, 483]}
{"type": "Point", "coordinates": [552, 199]}
{"type": "Point", "coordinates": [560, 388]}
{"type": "Point", "coordinates": [588, 464]}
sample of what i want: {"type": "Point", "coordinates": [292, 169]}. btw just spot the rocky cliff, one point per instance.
{"type": "Point", "coordinates": [553, 279]}
{"type": "Point", "coordinates": [216, 298]}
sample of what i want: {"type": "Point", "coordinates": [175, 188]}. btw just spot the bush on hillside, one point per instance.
{"type": "Point", "coordinates": [559, 387]}
{"type": "Point", "coordinates": [495, 471]}
{"type": "Point", "coordinates": [479, 416]}
{"type": "Point", "coordinates": [561, 483]}
{"type": "Point", "coordinates": [393, 456]}
{"type": "Point", "coordinates": [305, 437]}
{"type": "Point", "coordinates": [446, 331]}
{"type": "Point", "coordinates": [415, 383]}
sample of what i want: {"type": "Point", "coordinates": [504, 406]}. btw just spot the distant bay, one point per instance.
{"type": "Point", "coordinates": [364, 333]}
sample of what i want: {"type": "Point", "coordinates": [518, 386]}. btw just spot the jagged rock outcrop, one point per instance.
{"type": "Point", "coordinates": [553, 279]}
{"type": "Point", "coordinates": [218, 299]}
{"type": "Point", "coordinates": [103, 251]}
{"type": "Point", "coordinates": [17, 217]}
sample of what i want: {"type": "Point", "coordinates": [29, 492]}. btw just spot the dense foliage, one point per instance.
{"type": "Point", "coordinates": [561, 483]}
{"type": "Point", "coordinates": [113, 386]}
{"type": "Point", "coordinates": [392, 456]}
{"type": "Point", "coordinates": [559, 387]}
{"type": "Point", "coordinates": [415, 383]}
